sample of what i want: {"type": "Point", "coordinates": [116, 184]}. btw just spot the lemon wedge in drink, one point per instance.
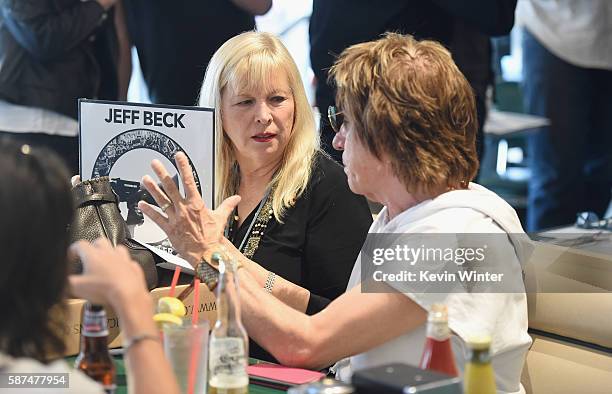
{"type": "Point", "coordinates": [161, 319]}
{"type": "Point", "coordinates": [171, 305]}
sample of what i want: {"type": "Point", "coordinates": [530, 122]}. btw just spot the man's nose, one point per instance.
{"type": "Point", "coordinates": [339, 138]}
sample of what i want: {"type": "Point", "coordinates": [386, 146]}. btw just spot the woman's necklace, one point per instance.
{"type": "Point", "coordinates": [252, 237]}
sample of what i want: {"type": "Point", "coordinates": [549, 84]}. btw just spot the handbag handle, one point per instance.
{"type": "Point", "coordinates": [96, 197]}
{"type": "Point", "coordinates": [94, 190]}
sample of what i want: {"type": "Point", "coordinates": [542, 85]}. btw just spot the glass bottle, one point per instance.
{"type": "Point", "coordinates": [229, 349]}
{"type": "Point", "coordinates": [94, 358]}
{"type": "Point", "coordinates": [479, 377]}
{"type": "Point", "coordinates": [438, 353]}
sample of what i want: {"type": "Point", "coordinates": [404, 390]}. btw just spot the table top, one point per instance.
{"type": "Point", "coordinates": [122, 380]}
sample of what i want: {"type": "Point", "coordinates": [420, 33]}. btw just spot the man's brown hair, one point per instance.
{"type": "Point", "coordinates": [408, 100]}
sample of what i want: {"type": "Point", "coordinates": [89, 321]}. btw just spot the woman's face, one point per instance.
{"type": "Point", "coordinates": [259, 122]}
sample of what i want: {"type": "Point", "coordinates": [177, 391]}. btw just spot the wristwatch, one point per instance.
{"type": "Point", "coordinates": [207, 274]}
{"type": "Point", "coordinates": [208, 271]}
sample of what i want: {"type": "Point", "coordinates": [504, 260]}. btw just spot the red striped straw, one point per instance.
{"type": "Point", "coordinates": [195, 350]}
{"type": "Point", "coordinates": [175, 277]}
{"type": "Point", "coordinates": [196, 300]}
{"type": "Point", "coordinates": [193, 362]}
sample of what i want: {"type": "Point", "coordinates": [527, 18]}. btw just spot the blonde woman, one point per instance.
{"type": "Point", "coordinates": [297, 221]}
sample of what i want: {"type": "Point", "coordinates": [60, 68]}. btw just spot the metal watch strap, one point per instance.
{"type": "Point", "coordinates": [207, 274]}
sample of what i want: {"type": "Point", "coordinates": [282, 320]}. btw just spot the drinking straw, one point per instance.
{"type": "Point", "coordinates": [175, 277]}
{"type": "Point", "coordinates": [193, 362]}
{"type": "Point", "coordinates": [196, 300]}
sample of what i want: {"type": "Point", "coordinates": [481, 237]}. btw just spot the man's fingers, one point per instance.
{"type": "Point", "coordinates": [227, 207]}
{"type": "Point", "coordinates": [189, 185]}
{"type": "Point", "coordinates": [158, 195]}
{"type": "Point", "coordinates": [154, 215]}
{"type": "Point", "coordinates": [166, 180]}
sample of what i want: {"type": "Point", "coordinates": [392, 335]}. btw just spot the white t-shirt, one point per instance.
{"type": "Point", "coordinates": [79, 383]}
{"type": "Point", "coordinates": [503, 315]}
{"type": "Point", "coordinates": [577, 31]}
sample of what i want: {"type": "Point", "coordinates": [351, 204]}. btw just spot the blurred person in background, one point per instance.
{"type": "Point", "coordinates": [176, 39]}
{"type": "Point", "coordinates": [567, 78]}
{"type": "Point", "coordinates": [462, 26]}
{"type": "Point", "coordinates": [52, 53]}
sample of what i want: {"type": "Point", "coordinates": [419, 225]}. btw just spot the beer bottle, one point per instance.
{"type": "Point", "coordinates": [228, 350]}
{"type": "Point", "coordinates": [94, 359]}
{"type": "Point", "coordinates": [479, 377]}
{"type": "Point", "coordinates": [438, 353]}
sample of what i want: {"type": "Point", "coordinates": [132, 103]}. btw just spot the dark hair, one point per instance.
{"type": "Point", "coordinates": [408, 99]}
{"type": "Point", "coordinates": [37, 207]}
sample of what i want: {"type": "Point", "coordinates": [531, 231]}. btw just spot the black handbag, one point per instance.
{"type": "Point", "coordinates": [97, 215]}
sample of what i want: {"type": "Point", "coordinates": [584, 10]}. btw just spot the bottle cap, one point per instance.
{"type": "Point", "coordinates": [438, 313]}
{"type": "Point", "coordinates": [479, 342]}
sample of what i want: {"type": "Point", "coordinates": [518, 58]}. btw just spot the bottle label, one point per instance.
{"type": "Point", "coordinates": [438, 331]}
{"type": "Point", "coordinates": [227, 357]}
{"type": "Point", "coordinates": [95, 324]}
{"type": "Point", "coordinates": [225, 385]}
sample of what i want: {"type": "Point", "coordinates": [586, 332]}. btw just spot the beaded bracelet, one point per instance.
{"type": "Point", "coordinates": [270, 282]}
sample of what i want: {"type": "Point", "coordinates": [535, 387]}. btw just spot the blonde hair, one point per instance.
{"type": "Point", "coordinates": [249, 60]}
{"type": "Point", "coordinates": [408, 99]}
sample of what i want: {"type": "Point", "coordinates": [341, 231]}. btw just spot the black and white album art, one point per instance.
{"type": "Point", "coordinates": [123, 155]}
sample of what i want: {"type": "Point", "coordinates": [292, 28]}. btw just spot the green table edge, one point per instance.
{"type": "Point", "coordinates": [122, 381]}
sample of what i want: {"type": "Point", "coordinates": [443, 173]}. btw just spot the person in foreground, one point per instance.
{"type": "Point", "coordinates": [409, 142]}
{"type": "Point", "coordinates": [38, 207]}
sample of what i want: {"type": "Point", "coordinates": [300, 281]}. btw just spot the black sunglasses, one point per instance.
{"type": "Point", "coordinates": [335, 118]}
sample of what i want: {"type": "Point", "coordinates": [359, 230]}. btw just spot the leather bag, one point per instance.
{"type": "Point", "coordinates": [97, 215]}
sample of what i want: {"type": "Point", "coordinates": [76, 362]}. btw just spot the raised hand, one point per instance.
{"type": "Point", "coordinates": [194, 230]}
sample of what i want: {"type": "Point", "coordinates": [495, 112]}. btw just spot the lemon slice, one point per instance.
{"type": "Point", "coordinates": [162, 319]}
{"type": "Point", "coordinates": [171, 305]}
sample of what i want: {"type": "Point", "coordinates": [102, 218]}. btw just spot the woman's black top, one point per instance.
{"type": "Point", "coordinates": [318, 241]}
